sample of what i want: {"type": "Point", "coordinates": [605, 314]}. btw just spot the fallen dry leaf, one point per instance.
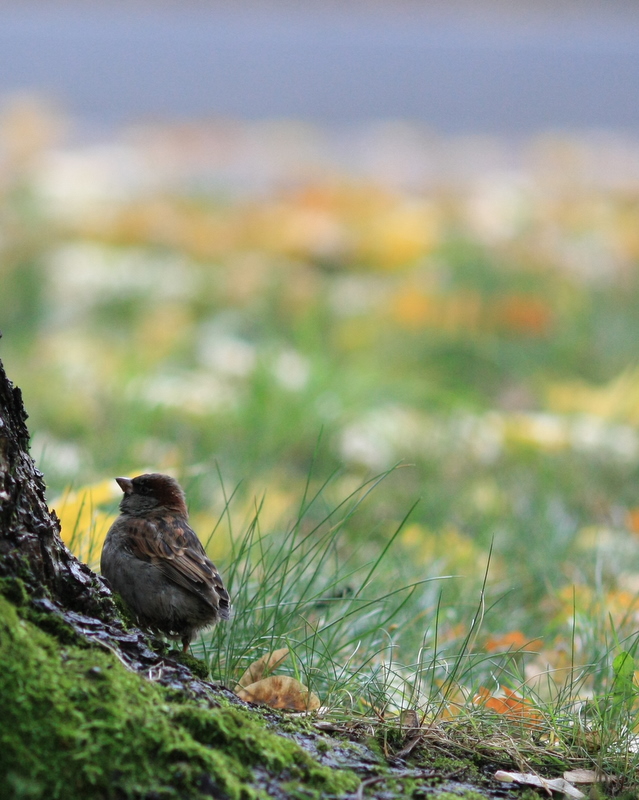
{"type": "Point", "coordinates": [261, 668]}
{"type": "Point", "coordinates": [409, 719]}
{"type": "Point", "coordinates": [280, 691]}
{"type": "Point", "coordinates": [512, 641]}
{"type": "Point", "coordinates": [585, 776]}
{"type": "Point", "coordinates": [632, 519]}
{"type": "Point", "coordinates": [511, 705]}
{"type": "Point", "coordinates": [549, 784]}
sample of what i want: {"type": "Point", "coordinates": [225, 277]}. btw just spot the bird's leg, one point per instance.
{"type": "Point", "coordinates": [186, 642]}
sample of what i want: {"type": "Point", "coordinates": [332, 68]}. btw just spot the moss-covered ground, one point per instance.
{"type": "Point", "coordinates": [76, 723]}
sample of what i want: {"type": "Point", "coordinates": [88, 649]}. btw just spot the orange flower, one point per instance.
{"type": "Point", "coordinates": [523, 314]}
{"type": "Point", "coordinates": [632, 519]}
{"type": "Point", "coordinates": [413, 308]}
{"type": "Point", "coordinates": [513, 640]}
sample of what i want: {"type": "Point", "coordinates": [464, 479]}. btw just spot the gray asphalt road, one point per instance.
{"type": "Point", "coordinates": [493, 68]}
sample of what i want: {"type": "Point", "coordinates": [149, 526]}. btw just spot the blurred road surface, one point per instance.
{"type": "Point", "coordinates": [484, 67]}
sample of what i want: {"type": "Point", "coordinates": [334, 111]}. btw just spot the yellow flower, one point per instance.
{"type": "Point", "coordinates": [618, 399]}
{"type": "Point", "coordinates": [83, 524]}
{"type": "Point", "coordinates": [401, 234]}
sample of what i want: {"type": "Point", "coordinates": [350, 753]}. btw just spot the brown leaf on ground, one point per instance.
{"type": "Point", "coordinates": [585, 776]}
{"type": "Point", "coordinates": [409, 718]}
{"type": "Point", "coordinates": [513, 641]}
{"type": "Point", "coordinates": [511, 705]}
{"type": "Point", "coordinates": [280, 691]}
{"type": "Point", "coordinates": [261, 668]}
{"type": "Point", "coordinates": [549, 784]}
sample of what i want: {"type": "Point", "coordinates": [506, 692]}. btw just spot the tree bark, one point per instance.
{"type": "Point", "coordinates": [30, 545]}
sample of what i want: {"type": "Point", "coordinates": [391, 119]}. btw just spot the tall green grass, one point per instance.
{"type": "Point", "coordinates": [304, 587]}
{"type": "Point", "coordinates": [365, 638]}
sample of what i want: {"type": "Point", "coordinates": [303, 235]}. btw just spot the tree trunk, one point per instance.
{"type": "Point", "coordinates": [30, 545]}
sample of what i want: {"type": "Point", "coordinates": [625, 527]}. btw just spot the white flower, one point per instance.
{"type": "Point", "coordinates": [82, 274]}
{"type": "Point", "coordinates": [499, 207]}
{"type": "Point", "coordinates": [481, 436]}
{"type": "Point", "coordinates": [352, 295]}
{"type": "Point", "coordinates": [383, 436]}
{"type": "Point", "coordinates": [196, 392]}
{"type": "Point", "coordinates": [228, 355]}
{"type": "Point", "coordinates": [76, 184]}
{"type": "Point", "coordinates": [590, 433]}
{"type": "Point", "coordinates": [291, 370]}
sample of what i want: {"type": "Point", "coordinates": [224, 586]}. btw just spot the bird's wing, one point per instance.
{"type": "Point", "coordinates": [172, 546]}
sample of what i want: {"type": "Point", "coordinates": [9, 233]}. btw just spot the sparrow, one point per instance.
{"type": "Point", "coordinates": [157, 564]}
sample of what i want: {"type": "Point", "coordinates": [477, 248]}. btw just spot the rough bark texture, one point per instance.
{"type": "Point", "coordinates": [29, 534]}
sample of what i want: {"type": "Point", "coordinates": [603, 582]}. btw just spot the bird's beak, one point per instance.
{"type": "Point", "coordinates": [126, 484]}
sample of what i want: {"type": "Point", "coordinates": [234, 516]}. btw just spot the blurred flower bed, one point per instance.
{"type": "Point", "coordinates": [262, 301]}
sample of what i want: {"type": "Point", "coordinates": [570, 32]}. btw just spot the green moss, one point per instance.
{"type": "Point", "coordinates": [464, 768]}
{"type": "Point", "coordinates": [531, 794]}
{"type": "Point", "coordinates": [55, 626]}
{"type": "Point", "coordinates": [75, 723]}
{"type": "Point", "coordinates": [123, 611]}
{"type": "Point", "coordinates": [374, 745]}
{"type": "Point", "coordinates": [15, 590]}
{"type": "Point", "coordinates": [196, 665]}
{"type": "Point", "coordinates": [390, 737]}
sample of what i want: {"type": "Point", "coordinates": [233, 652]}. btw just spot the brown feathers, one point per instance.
{"type": "Point", "coordinates": [157, 563]}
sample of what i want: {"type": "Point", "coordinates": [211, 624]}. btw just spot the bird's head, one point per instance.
{"type": "Point", "coordinates": [151, 491]}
